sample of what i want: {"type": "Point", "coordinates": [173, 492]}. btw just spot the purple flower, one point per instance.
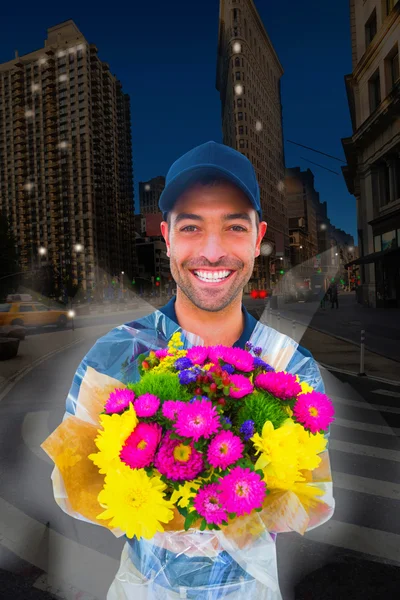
{"type": "Point", "coordinates": [257, 350]}
{"type": "Point", "coordinates": [201, 398]}
{"type": "Point", "coordinates": [230, 369]}
{"type": "Point", "coordinates": [227, 420]}
{"type": "Point", "coordinates": [183, 363]}
{"type": "Point", "coordinates": [186, 377]}
{"type": "Point", "coordinates": [247, 429]}
{"type": "Point", "coordinates": [258, 362]}
{"type": "Point", "coordinates": [248, 346]}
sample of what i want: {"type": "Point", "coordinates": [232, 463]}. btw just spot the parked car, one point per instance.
{"type": "Point", "coordinates": [32, 314]}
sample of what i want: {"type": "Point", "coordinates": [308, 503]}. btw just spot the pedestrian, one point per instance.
{"type": "Point", "coordinates": [334, 292]}
{"type": "Point", "coordinates": [213, 230]}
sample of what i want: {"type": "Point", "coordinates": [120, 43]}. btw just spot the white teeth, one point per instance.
{"type": "Point", "coordinates": [212, 276]}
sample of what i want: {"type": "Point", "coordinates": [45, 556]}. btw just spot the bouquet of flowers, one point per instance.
{"type": "Point", "coordinates": [198, 462]}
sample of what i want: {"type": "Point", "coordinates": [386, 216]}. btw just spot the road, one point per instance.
{"type": "Point", "coordinates": [36, 537]}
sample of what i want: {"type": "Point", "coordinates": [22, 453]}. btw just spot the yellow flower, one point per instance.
{"type": "Point", "coordinates": [289, 411]}
{"type": "Point", "coordinates": [207, 366]}
{"type": "Point", "coordinates": [116, 429]}
{"type": "Point", "coordinates": [305, 388]}
{"type": "Point", "coordinates": [134, 502]}
{"type": "Point", "coordinates": [310, 446]}
{"type": "Point", "coordinates": [278, 450]}
{"type": "Point", "coordinates": [168, 362]}
{"type": "Point", "coordinates": [184, 493]}
{"type": "Point", "coordinates": [175, 343]}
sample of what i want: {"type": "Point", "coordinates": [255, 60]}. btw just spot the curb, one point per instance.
{"type": "Point", "coordinates": [340, 338]}
{"type": "Point", "coordinates": [352, 374]}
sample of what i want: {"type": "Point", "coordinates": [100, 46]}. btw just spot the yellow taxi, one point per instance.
{"type": "Point", "coordinates": [33, 314]}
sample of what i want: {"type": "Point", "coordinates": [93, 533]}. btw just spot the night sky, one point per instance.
{"type": "Point", "coordinates": [165, 55]}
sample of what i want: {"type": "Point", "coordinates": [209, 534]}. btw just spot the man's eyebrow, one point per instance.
{"type": "Point", "coordinates": [229, 217]}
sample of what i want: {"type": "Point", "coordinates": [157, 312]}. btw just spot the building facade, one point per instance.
{"type": "Point", "coordinates": [302, 201]}
{"type": "Point", "coordinates": [372, 172]}
{"type": "Point", "coordinates": [248, 80]}
{"type": "Point", "coordinates": [149, 194]}
{"type": "Point", "coordinates": [66, 180]}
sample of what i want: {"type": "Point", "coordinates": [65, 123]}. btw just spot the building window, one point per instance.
{"type": "Point", "coordinates": [370, 29]}
{"type": "Point", "coordinates": [240, 116]}
{"type": "Point", "coordinates": [237, 62]}
{"type": "Point", "coordinates": [240, 129]}
{"type": "Point", "coordinates": [392, 69]}
{"type": "Point", "coordinates": [239, 103]}
{"type": "Point", "coordinates": [374, 86]}
{"type": "Point", "coordinates": [390, 5]}
{"type": "Point", "coordinates": [237, 75]}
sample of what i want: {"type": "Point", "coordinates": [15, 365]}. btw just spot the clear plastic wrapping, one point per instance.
{"type": "Point", "coordinates": [236, 562]}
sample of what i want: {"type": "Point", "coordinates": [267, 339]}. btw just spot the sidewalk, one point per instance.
{"type": "Point", "coordinates": [381, 326]}
{"type": "Point", "coordinates": [327, 349]}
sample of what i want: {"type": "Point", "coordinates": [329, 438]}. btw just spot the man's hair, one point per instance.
{"type": "Point", "coordinates": [210, 181]}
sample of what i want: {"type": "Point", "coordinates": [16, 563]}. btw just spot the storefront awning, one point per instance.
{"type": "Point", "coordinates": [373, 257]}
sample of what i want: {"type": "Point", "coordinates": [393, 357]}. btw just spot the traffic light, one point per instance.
{"type": "Point", "coordinates": [282, 272]}
{"type": "Point", "coordinates": [157, 279]}
{"type": "Point", "coordinates": [157, 283]}
{"type": "Point", "coordinates": [133, 282]}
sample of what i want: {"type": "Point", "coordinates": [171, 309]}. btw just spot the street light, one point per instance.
{"type": "Point", "coordinates": [301, 247]}
{"type": "Point", "coordinates": [42, 251]}
{"type": "Point", "coordinates": [78, 247]}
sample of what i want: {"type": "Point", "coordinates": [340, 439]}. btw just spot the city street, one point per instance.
{"type": "Point", "coordinates": [37, 538]}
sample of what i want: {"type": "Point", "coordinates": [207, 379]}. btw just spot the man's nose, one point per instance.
{"type": "Point", "coordinates": [212, 248]}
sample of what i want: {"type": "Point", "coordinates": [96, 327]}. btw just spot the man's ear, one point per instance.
{"type": "Point", "coordinates": [165, 234]}
{"type": "Point", "coordinates": [262, 230]}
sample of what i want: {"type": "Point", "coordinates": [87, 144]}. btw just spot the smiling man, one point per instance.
{"type": "Point", "coordinates": [213, 229]}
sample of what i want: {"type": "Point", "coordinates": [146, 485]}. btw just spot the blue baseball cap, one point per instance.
{"type": "Point", "coordinates": [210, 159]}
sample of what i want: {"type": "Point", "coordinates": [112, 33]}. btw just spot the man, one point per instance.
{"type": "Point", "coordinates": [333, 293]}
{"type": "Point", "coordinates": [213, 230]}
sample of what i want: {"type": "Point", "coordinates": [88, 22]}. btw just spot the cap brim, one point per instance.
{"type": "Point", "coordinates": [179, 184]}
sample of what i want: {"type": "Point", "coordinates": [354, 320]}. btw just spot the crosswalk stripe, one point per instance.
{"type": "Point", "coordinates": [359, 539]}
{"type": "Point", "coordinates": [366, 485]}
{"type": "Point", "coordinates": [384, 429]}
{"type": "Point", "coordinates": [366, 405]}
{"type": "Point", "coordinates": [364, 450]}
{"type": "Point", "coordinates": [386, 393]}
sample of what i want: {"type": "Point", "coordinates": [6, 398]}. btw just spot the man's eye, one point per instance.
{"type": "Point", "coordinates": [188, 227]}
{"type": "Point", "coordinates": [240, 227]}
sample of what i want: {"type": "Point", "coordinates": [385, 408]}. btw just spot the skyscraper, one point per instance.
{"type": "Point", "coordinates": [149, 194]}
{"type": "Point", "coordinates": [248, 80]}
{"type": "Point", "coordinates": [66, 181]}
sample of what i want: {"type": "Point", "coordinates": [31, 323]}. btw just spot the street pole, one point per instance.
{"type": "Point", "coordinates": [362, 354]}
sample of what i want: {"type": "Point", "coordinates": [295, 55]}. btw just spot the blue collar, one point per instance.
{"type": "Point", "coordinates": [249, 322]}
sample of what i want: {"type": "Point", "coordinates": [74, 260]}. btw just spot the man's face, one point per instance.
{"type": "Point", "coordinates": [212, 234]}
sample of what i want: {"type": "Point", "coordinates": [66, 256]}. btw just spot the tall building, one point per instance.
{"type": "Point", "coordinates": [372, 173]}
{"type": "Point", "coordinates": [302, 204]}
{"type": "Point", "coordinates": [66, 181]}
{"type": "Point", "coordinates": [248, 80]}
{"type": "Point", "coordinates": [149, 194]}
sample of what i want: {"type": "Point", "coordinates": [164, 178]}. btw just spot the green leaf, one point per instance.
{"type": "Point", "coordinates": [190, 519]}
{"type": "Point", "coordinates": [203, 525]}
{"type": "Point", "coordinates": [232, 515]}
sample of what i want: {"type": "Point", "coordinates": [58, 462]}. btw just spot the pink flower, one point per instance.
{"type": "Point", "coordinates": [118, 400]}
{"type": "Point", "coordinates": [217, 352]}
{"type": "Point", "coordinates": [146, 405]}
{"type": "Point", "coordinates": [141, 445]}
{"type": "Point", "coordinates": [162, 353]}
{"type": "Point", "coordinates": [241, 491]}
{"type": "Point", "coordinates": [197, 354]}
{"type": "Point", "coordinates": [170, 409]}
{"type": "Point", "coordinates": [208, 504]}
{"type": "Point", "coordinates": [314, 411]}
{"type": "Point", "coordinates": [197, 419]}
{"type": "Point", "coordinates": [281, 385]}
{"type": "Point", "coordinates": [241, 386]}
{"type": "Point", "coordinates": [225, 449]}
{"type": "Point", "coordinates": [240, 359]}
{"type": "Point", "coordinates": [177, 461]}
